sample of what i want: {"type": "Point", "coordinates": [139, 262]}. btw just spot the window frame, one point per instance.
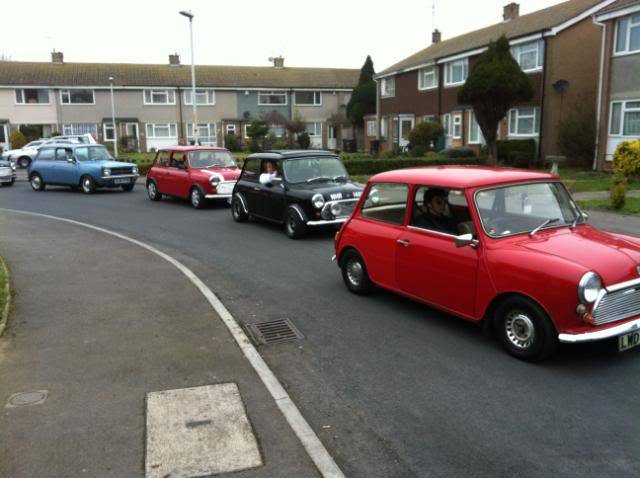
{"type": "Point", "coordinates": [448, 67]}
{"type": "Point", "coordinates": [371, 128]}
{"type": "Point", "coordinates": [25, 103]}
{"type": "Point", "coordinates": [627, 43]}
{"type": "Point", "coordinates": [384, 88]}
{"type": "Point", "coordinates": [154, 125]}
{"type": "Point", "coordinates": [317, 94]}
{"type": "Point", "coordinates": [408, 187]}
{"type": "Point", "coordinates": [155, 90]}
{"type": "Point", "coordinates": [315, 130]}
{"type": "Point", "coordinates": [108, 126]}
{"type": "Point", "coordinates": [66, 126]}
{"type": "Point", "coordinates": [210, 92]}
{"type": "Point", "coordinates": [456, 122]}
{"type": "Point", "coordinates": [211, 127]}
{"type": "Point", "coordinates": [68, 91]}
{"type": "Point", "coordinates": [472, 120]}
{"type": "Point", "coordinates": [413, 203]}
{"type": "Point", "coordinates": [517, 52]}
{"type": "Point", "coordinates": [623, 110]}
{"type": "Point", "coordinates": [536, 122]}
{"type": "Point", "coordinates": [273, 93]}
{"type": "Point", "coordinates": [433, 69]}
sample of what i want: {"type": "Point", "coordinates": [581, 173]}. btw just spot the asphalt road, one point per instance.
{"type": "Point", "coordinates": [393, 388]}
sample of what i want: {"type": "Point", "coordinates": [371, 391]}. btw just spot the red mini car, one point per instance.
{"type": "Point", "coordinates": [199, 173]}
{"type": "Point", "coordinates": [504, 246]}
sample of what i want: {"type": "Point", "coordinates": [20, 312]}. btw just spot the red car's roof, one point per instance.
{"type": "Point", "coordinates": [191, 148]}
{"type": "Point", "coordinates": [460, 177]}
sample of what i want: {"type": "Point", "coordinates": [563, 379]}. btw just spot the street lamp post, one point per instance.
{"type": "Point", "coordinates": [190, 16]}
{"type": "Point", "coordinates": [113, 119]}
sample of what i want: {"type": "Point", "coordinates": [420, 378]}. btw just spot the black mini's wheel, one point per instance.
{"type": "Point", "coordinates": [152, 191]}
{"type": "Point", "coordinates": [294, 226]}
{"type": "Point", "coordinates": [87, 184]}
{"type": "Point", "coordinates": [237, 210]}
{"type": "Point", "coordinates": [354, 273]}
{"type": "Point", "coordinates": [525, 330]}
{"type": "Point", "coordinates": [36, 181]}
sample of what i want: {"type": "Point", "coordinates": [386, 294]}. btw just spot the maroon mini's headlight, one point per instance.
{"type": "Point", "coordinates": [589, 288]}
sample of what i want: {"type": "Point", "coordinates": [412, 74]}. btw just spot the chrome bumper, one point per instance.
{"type": "Point", "coordinates": [218, 196]}
{"type": "Point", "coordinates": [601, 334]}
{"type": "Point", "coordinates": [119, 176]}
{"type": "Point", "coordinates": [325, 223]}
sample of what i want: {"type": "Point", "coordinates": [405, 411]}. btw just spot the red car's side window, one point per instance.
{"type": "Point", "coordinates": [441, 210]}
{"type": "Point", "coordinates": [386, 202]}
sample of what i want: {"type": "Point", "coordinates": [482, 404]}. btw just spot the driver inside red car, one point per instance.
{"type": "Point", "coordinates": [435, 216]}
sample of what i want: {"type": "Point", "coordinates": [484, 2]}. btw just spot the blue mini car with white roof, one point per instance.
{"type": "Point", "coordinates": [88, 166]}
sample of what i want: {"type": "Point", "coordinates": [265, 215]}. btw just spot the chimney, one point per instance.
{"type": "Point", "coordinates": [511, 12]}
{"type": "Point", "coordinates": [57, 57]}
{"type": "Point", "coordinates": [174, 60]}
{"type": "Point", "coordinates": [436, 36]}
{"type": "Point", "coordinates": [278, 61]}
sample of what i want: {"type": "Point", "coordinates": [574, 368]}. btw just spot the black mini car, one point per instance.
{"type": "Point", "coordinates": [299, 189]}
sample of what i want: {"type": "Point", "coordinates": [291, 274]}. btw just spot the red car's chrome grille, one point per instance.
{"type": "Point", "coordinates": [618, 305]}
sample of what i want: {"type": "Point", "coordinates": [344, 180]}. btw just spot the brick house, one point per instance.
{"type": "Point", "coordinates": [619, 85]}
{"type": "Point", "coordinates": [549, 45]}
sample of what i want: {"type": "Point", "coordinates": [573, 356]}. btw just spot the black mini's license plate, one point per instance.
{"type": "Point", "coordinates": [628, 341]}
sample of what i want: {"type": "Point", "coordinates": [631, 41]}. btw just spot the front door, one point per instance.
{"type": "Point", "coordinates": [331, 137]}
{"type": "Point", "coordinates": [406, 125]}
{"type": "Point", "coordinates": [269, 198]}
{"type": "Point", "coordinates": [177, 175]}
{"type": "Point", "coordinates": [133, 136]}
{"type": "Point", "coordinates": [65, 172]}
{"type": "Point", "coordinates": [429, 265]}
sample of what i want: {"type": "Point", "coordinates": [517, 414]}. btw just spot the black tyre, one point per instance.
{"type": "Point", "coordinates": [294, 226]}
{"type": "Point", "coordinates": [87, 184]}
{"type": "Point", "coordinates": [196, 198]}
{"type": "Point", "coordinates": [354, 273]}
{"type": "Point", "coordinates": [237, 210]}
{"type": "Point", "coordinates": [128, 187]}
{"type": "Point", "coordinates": [152, 191]}
{"type": "Point", "coordinates": [24, 162]}
{"type": "Point", "coordinates": [37, 183]}
{"type": "Point", "coordinates": [525, 330]}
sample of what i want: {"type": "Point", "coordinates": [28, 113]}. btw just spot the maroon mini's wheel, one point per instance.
{"type": "Point", "coordinates": [354, 273]}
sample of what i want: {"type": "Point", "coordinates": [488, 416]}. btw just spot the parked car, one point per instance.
{"type": "Point", "coordinates": [23, 156]}
{"type": "Point", "coordinates": [7, 173]}
{"type": "Point", "coordinates": [86, 138]}
{"type": "Point", "coordinates": [300, 189]}
{"type": "Point", "coordinates": [88, 166]}
{"type": "Point", "coordinates": [197, 173]}
{"type": "Point", "coordinates": [513, 251]}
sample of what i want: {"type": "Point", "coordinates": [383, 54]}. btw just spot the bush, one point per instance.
{"type": "Point", "coordinates": [17, 139]}
{"type": "Point", "coordinates": [426, 134]}
{"type": "Point", "coordinates": [373, 166]}
{"type": "Point", "coordinates": [419, 151]}
{"type": "Point", "coordinates": [459, 153]}
{"type": "Point", "coordinates": [304, 141]}
{"type": "Point", "coordinates": [577, 136]}
{"type": "Point", "coordinates": [626, 159]}
{"type": "Point", "coordinates": [618, 192]}
{"type": "Point", "coordinates": [388, 154]}
{"type": "Point", "coordinates": [280, 143]}
{"type": "Point", "coordinates": [519, 153]}
{"type": "Point", "coordinates": [233, 143]}
{"type": "Point", "coordinates": [351, 156]}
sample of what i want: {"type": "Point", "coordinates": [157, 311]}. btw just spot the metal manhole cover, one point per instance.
{"type": "Point", "coordinates": [273, 331]}
{"type": "Point", "coordinates": [25, 399]}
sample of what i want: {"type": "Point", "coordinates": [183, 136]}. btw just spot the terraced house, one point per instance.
{"type": "Point", "coordinates": [619, 86]}
{"type": "Point", "coordinates": [153, 103]}
{"type": "Point", "coordinates": [558, 47]}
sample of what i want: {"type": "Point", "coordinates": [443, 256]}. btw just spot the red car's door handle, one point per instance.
{"type": "Point", "coordinates": [403, 242]}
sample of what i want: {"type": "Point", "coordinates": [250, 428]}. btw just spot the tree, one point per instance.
{"type": "Point", "coordinates": [295, 127]}
{"type": "Point", "coordinates": [257, 131]}
{"type": "Point", "coordinates": [495, 85]}
{"type": "Point", "coordinates": [17, 139]}
{"type": "Point", "coordinates": [425, 134]}
{"type": "Point", "coordinates": [363, 98]}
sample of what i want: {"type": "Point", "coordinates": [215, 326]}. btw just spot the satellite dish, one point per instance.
{"type": "Point", "coordinates": [561, 86]}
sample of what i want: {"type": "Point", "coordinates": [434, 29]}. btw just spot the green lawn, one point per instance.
{"type": "Point", "coordinates": [631, 206]}
{"type": "Point", "coordinates": [579, 180]}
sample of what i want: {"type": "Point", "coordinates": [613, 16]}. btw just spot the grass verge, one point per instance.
{"type": "Point", "coordinates": [5, 295]}
{"type": "Point", "coordinates": [631, 206]}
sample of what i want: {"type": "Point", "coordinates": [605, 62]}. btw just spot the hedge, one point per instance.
{"type": "Point", "coordinates": [520, 153]}
{"type": "Point", "coordinates": [374, 166]}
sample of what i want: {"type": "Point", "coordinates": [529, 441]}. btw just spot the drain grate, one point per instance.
{"type": "Point", "coordinates": [25, 399]}
{"type": "Point", "coordinates": [273, 332]}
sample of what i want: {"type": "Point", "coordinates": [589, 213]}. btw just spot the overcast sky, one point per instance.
{"type": "Point", "coordinates": [327, 33]}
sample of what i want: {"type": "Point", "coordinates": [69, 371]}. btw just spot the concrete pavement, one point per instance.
{"type": "Point", "coordinates": [98, 323]}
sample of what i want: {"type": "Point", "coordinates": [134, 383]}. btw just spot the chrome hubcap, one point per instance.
{"type": "Point", "coordinates": [35, 181]}
{"type": "Point", "coordinates": [354, 272]}
{"type": "Point", "coordinates": [291, 223]}
{"type": "Point", "coordinates": [152, 190]}
{"type": "Point", "coordinates": [520, 330]}
{"type": "Point", "coordinates": [195, 198]}
{"type": "Point", "coordinates": [86, 185]}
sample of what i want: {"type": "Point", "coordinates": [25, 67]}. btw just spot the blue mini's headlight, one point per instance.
{"type": "Point", "coordinates": [106, 172]}
{"type": "Point", "coordinates": [135, 170]}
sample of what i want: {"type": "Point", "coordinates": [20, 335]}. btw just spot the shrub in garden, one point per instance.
{"type": "Point", "coordinates": [618, 191]}
{"type": "Point", "coordinates": [518, 153]}
{"type": "Point", "coordinates": [419, 151]}
{"type": "Point", "coordinates": [233, 143]}
{"type": "Point", "coordinates": [304, 141]}
{"type": "Point", "coordinates": [425, 134]}
{"type": "Point", "coordinates": [374, 166]}
{"type": "Point", "coordinates": [17, 139]}
{"type": "Point", "coordinates": [459, 153]}
{"type": "Point", "coordinates": [626, 159]}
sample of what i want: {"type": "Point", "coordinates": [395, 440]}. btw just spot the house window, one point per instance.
{"type": "Point", "coordinates": [455, 72]}
{"type": "Point", "coordinates": [388, 87]}
{"type": "Point", "coordinates": [628, 34]}
{"type": "Point", "coordinates": [475, 133]}
{"type": "Point", "coordinates": [428, 78]}
{"type": "Point", "coordinates": [32, 96]}
{"type": "Point", "coordinates": [313, 128]}
{"type": "Point", "coordinates": [159, 97]}
{"type": "Point", "coordinates": [272, 98]}
{"type": "Point", "coordinates": [203, 97]}
{"type": "Point", "coordinates": [80, 128]}
{"type": "Point", "coordinates": [308, 98]}
{"type": "Point", "coordinates": [206, 133]}
{"type": "Point", "coordinates": [276, 130]}
{"type": "Point", "coordinates": [109, 132]}
{"type": "Point", "coordinates": [524, 121]}
{"type": "Point", "coordinates": [383, 127]}
{"type": "Point", "coordinates": [446, 124]}
{"type": "Point", "coordinates": [231, 129]}
{"type": "Point", "coordinates": [457, 126]}
{"type": "Point", "coordinates": [371, 129]}
{"type": "Point", "coordinates": [625, 118]}
{"type": "Point", "coordinates": [162, 130]}
{"type": "Point", "coordinates": [529, 55]}
{"type": "Point", "coordinates": [77, 97]}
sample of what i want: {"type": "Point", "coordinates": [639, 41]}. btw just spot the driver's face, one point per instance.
{"type": "Point", "coordinates": [438, 204]}
{"type": "Point", "coordinates": [271, 168]}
